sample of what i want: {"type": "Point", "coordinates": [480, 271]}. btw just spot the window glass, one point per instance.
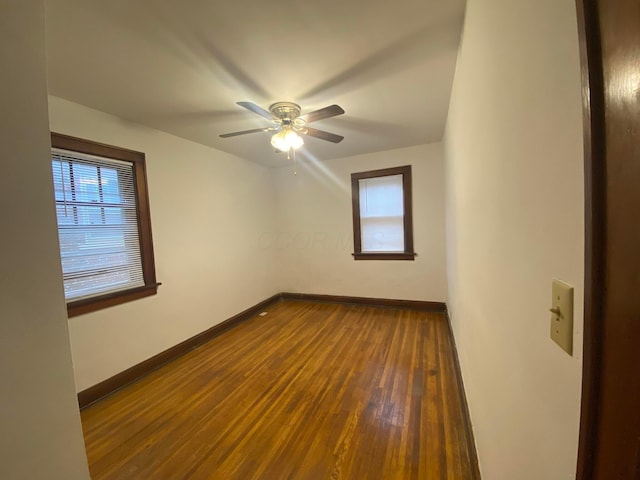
{"type": "Point", "coordinates": [97, 225]}
{"type": "Point", "coordinates": [382, 214]}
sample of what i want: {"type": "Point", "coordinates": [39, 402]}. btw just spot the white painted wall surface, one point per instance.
{"type": "Point", "coordinates": [40, 432]}
{"type": "Point", "coordinates": [514, 222]}
{"type": "Point", "coordinates": [314, 240]}
{"type": "Point", "coordinates": [208, 211]}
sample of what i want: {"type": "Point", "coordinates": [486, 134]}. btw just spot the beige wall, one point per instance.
{"type": "Point", "coordinates": [40, 433]}
{"type": "Point", "coordinates": [314, 240]}
{"type": "Point", "coordinates": [208, 210]}
{"type": "Point", "coordinates": [514, 222]}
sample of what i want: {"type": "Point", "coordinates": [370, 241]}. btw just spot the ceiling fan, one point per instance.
{"type": "Point", "coordinates": [289, 124]}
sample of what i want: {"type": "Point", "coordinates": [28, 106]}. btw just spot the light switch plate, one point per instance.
{"type": "Point", "coordinates": [562, 315]}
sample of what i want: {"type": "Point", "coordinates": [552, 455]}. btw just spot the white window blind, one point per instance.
{"type": "Point", "coordinates": [97, 224]}
{"type": "Point", "coordinates": [382, 214]}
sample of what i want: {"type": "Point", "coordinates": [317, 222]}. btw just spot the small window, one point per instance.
{"type": "Point", "coordinates": [104, 226]}
{"type": "Point", "coordinates": [382, 224]}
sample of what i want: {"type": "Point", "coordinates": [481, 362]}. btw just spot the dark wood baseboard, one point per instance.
{"type": "Point", "coordinates": [471, 443]}
{"type": "Point", "coordinates": [132, 374]}
{"type": "Point", "coordinates": [439, 307]}
{"type": "Point", "coordinates": [110, 385]}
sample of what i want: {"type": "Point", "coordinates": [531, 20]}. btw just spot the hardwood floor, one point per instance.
{"type": "Point", "coordinates": [310, 391]}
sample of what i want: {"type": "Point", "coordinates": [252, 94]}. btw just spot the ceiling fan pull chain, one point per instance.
{"type": "Point", "coordinates": [294, 162]}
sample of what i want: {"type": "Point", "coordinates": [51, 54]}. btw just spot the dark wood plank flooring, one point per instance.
{"type": "Point", "coordinates": [310, 391]}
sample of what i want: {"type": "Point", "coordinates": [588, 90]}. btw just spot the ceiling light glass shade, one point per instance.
{"type": "Point", "coordinates": [286, 139]}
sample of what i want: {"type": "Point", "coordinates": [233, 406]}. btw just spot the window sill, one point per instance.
{"type": "Point", "coordinates": [87, 305]}
{"type": "Point", "coordinates": [384, 256]}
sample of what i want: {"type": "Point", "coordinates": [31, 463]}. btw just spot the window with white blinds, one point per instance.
{"type": "Point", "coordinates": [382, 214]}
{"type": "Point", "coordinates": [104, 224]}
{"type": "Point", "coordinates": [97, 224]}
{"type": "Point", "coordinates": [382, 211]}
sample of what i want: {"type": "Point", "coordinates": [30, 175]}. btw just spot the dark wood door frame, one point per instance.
{"type": "Point", "coordinates": [610, 415]}
{"type": "Point", "coordinates": [593, 122]}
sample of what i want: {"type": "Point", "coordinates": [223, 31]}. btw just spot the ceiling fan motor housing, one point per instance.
{"type": "Point", "coordinates": [286, 112]}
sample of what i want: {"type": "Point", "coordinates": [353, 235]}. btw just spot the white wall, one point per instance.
{"type": "Point", "coordinates": [208, 210]}
{"type": "Point", "coordinates": [314, 239]}
{"type": "Point", "coordinates": [41, 436]}
{"type": "Point", "coordinates": [514, 222]}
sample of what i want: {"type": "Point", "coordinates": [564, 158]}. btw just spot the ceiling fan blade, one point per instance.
{"type": "Point", "coordinates": [321, 134]}
{"type": "Point", "coordinates": [326, 112]}
{"type": "Point", "coordinates": [244, 132]}
{"type": "Point", "coordinates": [256, 109]}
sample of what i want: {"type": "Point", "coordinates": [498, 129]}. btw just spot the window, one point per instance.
{"type": "Point", "coordinates": [382, 224]}
{"type": "Point", "coordinates": [103, 224]}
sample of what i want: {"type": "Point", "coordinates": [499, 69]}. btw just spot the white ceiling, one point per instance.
{"type": "Point", "coordinates": [180, 66]}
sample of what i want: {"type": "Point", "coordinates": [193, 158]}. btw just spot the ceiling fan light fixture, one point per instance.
{"type": "Point", "coordinates": [286, 140]}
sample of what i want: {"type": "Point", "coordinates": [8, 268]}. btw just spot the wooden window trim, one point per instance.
{"type": "Point", "coordinates": [408, 253]}
{"type": "Point", "coordinates": [150, 287]}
